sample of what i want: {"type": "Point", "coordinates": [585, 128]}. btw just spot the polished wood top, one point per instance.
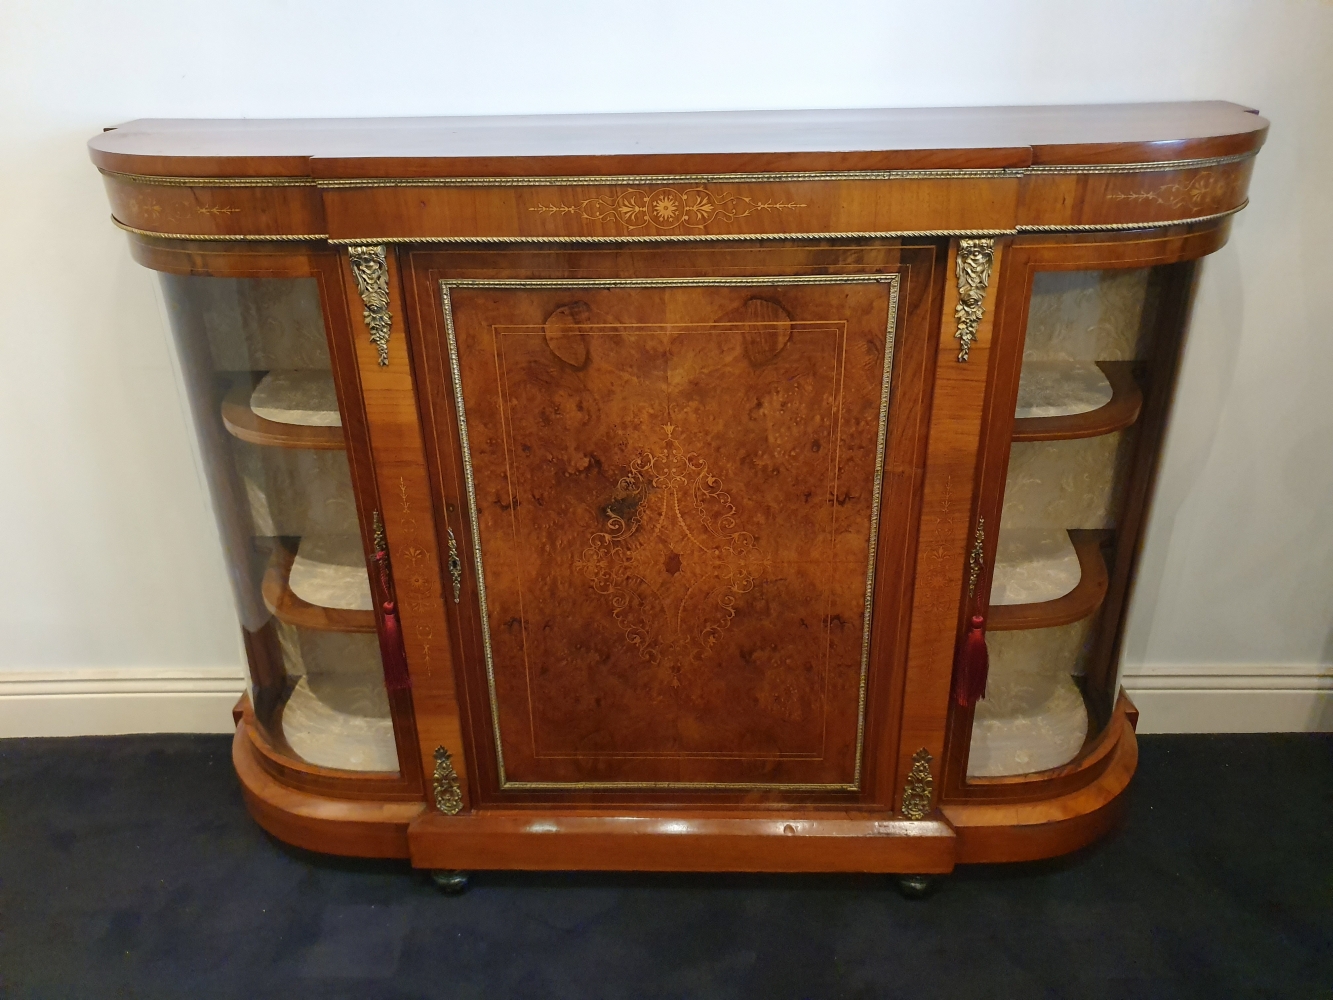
{"type": "Point", "coordinates": [859, 139]}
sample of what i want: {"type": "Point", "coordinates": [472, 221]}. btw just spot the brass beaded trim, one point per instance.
{"type": "Point", "coordinates": [597, 180]}
{"type": "Point", "coordinates": [1118, 227]}
{"type": "Point", "coordinates": [164, 180]}
{"type": "Point", "coordinates": [619, 180]}
{"type": "Point", "coordinates": [1153, 166]}
{"type": "Point", "coordinates": [1106, 227]}
{"type": "Point", "coordinates": [228, 238]}
{"type": "Point", "coordinates": [888, 234]}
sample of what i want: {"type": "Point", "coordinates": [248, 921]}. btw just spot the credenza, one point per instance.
{"type": "Point", "coordinates": [717, 492]}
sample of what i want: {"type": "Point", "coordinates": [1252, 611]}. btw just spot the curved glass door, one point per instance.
{"type": "Point", "coordinates": [255, 360]}
{"type": "Point", "coordinates": [1087, 359]}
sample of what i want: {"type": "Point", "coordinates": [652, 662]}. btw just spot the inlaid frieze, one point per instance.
{"type": "Point", "coordinates": [704, 207]}
{"type": "Point", "coordinates": [666, 208]}
{"type": "Point", "coordinates": [1127, 196]}
{"type": "Point", "coordinates": [212, 211]}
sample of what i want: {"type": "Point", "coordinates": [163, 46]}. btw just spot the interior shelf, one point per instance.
{"type": "Point", "coordinates": [1032, 564]}
{"type": "Point", "coordinates": [1060, 400]}
{"type": "Point", "coordinates": [284, 409]}
{"type": "Point", "coordinates": [1036, 723]}
{"type": "Point", "coordinates": [341, 721]}
{"type": "Point", "coordinates": [321, 584]}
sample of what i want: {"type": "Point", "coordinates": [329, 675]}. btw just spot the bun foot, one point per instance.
{"type": "Point", "coordinates": [449, 881]}
{"type": "Point", "coordinates": [916, 886]}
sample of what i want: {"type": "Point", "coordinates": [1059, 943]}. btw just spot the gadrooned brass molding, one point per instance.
{"type": "Point", "coordinates": [1124, 227]}
{"type": "Point", "coordinates": [1150, 167]}
{"type": "Point", "coordinates": [447, 793]}
{"type": "Point", "coordinates": [587, 180]}
{"type": "Point", "coordinates": [371, 269]}
{"type": "Point", "coordinates": [686, 237]}
{"type": "Point", "coordinates": [603, 181]}
{"type": "Point", "coordinates": [228, 237]}
{"type": "Point", "coordinates": [1103, 227]}
{"type": "Point", "coordinates": [920, 786]}
{"type": "Point", "coordinates": [972, 268]}
{"type": "Point", "coordinates": [783, 176]}
{"type": "Point", "coordinates": [469, 480]}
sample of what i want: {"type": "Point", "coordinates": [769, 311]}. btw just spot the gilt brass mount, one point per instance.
{"type": "Point", "coordinates": [448, 794]}
{"type": "Point", "coordinates": [973, 267]}
{"type": "Point", "coordinates": [370, 267]}
{"type": "Point", "coordinates": [920, 786]}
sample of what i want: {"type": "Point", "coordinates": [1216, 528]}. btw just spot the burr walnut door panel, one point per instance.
{"type": "Point", "coordinates": [666, 495]}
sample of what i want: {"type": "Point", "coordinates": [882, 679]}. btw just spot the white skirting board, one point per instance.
{"type": "Point", "coordinates": [1232, 698]}
{"type": "Point", "coordinates": [106, 701]}
{"type": "Point", "coordinates": [96, 701]}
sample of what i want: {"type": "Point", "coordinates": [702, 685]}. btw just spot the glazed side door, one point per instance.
{"type": "Point", "coordinates": [682, 488]}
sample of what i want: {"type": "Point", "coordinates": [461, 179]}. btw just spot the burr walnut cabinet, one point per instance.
{"type": "Point", "coordinates": [744, 491]}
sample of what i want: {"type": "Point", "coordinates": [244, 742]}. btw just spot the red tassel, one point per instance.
{"type": "Point", "coordinates": [396, 677]}
{"type": "Point", "coordinates": [972, 665]}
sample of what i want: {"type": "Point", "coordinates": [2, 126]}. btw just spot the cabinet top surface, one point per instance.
{"type": "Point", "coordinates": [913, 138]}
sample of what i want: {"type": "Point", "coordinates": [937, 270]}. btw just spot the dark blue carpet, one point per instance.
{"type": "Point", "coordinates": [129, 870]}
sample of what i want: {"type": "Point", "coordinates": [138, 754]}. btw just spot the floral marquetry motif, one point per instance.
{"type": "Point", "coordinates": [673, 530]}
{"type": "Point", "coordinates": [1203, 191]}
{"type": "Point", "coordinates": [666, 208]}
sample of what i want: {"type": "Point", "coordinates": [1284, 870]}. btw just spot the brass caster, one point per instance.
{"type": "Point", "coordinates": [916, 886]}
{"type": "Point", "coordinates": [449, 881]}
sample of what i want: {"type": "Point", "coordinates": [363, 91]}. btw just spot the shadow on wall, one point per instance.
{"type": "Point", "coordinates": [1321, 715]}
{"type": "Point", "coordinates": [1212, 350]}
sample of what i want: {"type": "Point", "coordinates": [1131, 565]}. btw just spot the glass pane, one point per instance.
{"type": "Point", "coordinates": [1075, 436]}
{"type": "Point", "coordinates": [256, 365]}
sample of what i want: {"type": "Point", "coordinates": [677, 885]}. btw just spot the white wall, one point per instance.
{"type": "Point", "coordinates": [113, 581]}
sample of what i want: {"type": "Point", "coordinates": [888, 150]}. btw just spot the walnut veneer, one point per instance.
{"type": "Point", "coordinates": [678, 448]}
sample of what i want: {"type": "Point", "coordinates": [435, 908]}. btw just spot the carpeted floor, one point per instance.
{"type": "Point", "coordinates": [129, 870]}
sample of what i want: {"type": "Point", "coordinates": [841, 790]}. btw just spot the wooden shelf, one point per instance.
{"type": "Point", "coordinates": [1080, 602]}
{"type": "Point", "coordinates": [294, 610]}
{"type": "Point", "coordinates": [1121, 411]}
{"type": "Point", "coordinates": [243, 422]}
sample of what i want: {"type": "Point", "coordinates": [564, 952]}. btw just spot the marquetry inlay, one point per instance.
{"type": "Point", "coordinates": [673, 528]}
{"type": "Point", "coordinates": [666, 208]}
{"type": "Point", "coordinates": [1203, 190]}
{"type": "Point", "coordinates": [416, 592]}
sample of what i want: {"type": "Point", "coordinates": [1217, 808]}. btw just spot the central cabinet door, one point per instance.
{"type": "Point", "coordinates": [665, 472]}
